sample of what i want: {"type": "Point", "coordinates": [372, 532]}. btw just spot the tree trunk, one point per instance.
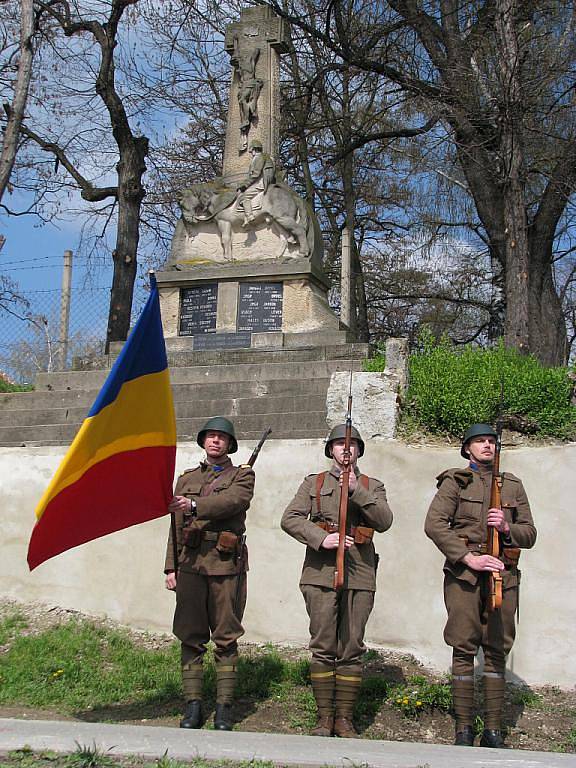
{"type": "Point", "coordinates": [130, 195]}
{"type": "Point", "coordinates": [16, 111]}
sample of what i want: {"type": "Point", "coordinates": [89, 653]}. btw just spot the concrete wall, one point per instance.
{"type": "Point", "coordinates": [121, 575]}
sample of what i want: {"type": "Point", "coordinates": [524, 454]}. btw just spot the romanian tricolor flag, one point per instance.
{"type": "Point", "coordinates": [119, 470]}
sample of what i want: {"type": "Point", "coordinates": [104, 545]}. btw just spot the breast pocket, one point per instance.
{"type": "Point", "coordinates": [470, 507]}
{"type": "Point", "coordinates": [191, 491]}
{"type": "Point", "coordinates": [326, 495]}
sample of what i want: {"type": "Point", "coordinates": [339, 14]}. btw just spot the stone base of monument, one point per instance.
{"type": "Point", "coordinates": [261, 305]}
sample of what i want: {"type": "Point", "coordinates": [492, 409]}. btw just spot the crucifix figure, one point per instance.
{"type": "Point", "coordinates": [249, 87]}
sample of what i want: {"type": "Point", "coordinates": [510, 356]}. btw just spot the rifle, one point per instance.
{"type": "Point", "coordinates": [252, 460]}
{"type": "Point", "coordinates": [494, 596]}
{"type": "Point", "coordinates": [343, 509]}
{"type": "Point", "coordinates": [241, 552]}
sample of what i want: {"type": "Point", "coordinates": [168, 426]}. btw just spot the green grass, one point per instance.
{"type": "Point", "coordinates": [6, 386]}
{"type": "Point", "coordinates": [527, 698]}
{"type": "Point", "coordinates": [11, 626]}
{"type": "Point", "coordinates": [92, 757]}
{"type": "Point", "coordinates": [419, 695]}
{"type": "Point", "coordinates": [77, 666]}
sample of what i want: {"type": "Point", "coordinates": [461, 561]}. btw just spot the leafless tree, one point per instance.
{"type": "Point", "coordinates": [15, 110]}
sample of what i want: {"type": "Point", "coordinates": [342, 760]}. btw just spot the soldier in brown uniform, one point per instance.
{"type": "Point", "coordinates": [337, 618]}
{"type": "Point", "coordinates": [457, 523]}
{"type": "Point", "coordinates": [210, 504]}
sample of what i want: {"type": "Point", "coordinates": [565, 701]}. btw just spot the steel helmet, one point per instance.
{"type": "Point", "coordinates": [218, 424]}
{"type": "Point", "coordinates": [475, 431]}
{"type": "Point", "coordinates": [255, 144]}
{"type": "Point", "coordinates": [339, 431]}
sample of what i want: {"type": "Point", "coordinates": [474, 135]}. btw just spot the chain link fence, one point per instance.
{"type": "Point", "coordinates": [36, 336]}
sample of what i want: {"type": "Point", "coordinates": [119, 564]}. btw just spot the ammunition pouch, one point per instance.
{"type": "Point", "coordinates": [510, 556]}
{"type": "Point", "coordinates": [360, 533]}
{"type": "Point", "coordinates": [191, 536]}
{"type": "Point", "coordinates": [227, 543]}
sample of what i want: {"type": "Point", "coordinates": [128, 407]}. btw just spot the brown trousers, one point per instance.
{"type": "Point", "coordinates": [205, 609]}
{"type": "Point", "coordinates": [466, 633]}
{"type": "Point", "coordinates": [337, 623]}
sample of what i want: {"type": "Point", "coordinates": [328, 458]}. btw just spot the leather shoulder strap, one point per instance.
{"type": "Point", "coordinates": [365, 480]}
{"type": "Point", "coordinates": [319, 483]}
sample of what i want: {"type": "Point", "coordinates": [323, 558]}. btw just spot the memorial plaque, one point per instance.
{"type": "Point", "coordinates": [260, 307]}
{"type": "Point", "coordinates": [222, 341]}
{"type": "Point", "coordinates": [198, 309]}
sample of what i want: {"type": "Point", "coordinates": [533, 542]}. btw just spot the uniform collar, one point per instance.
{"type": "Point", "coordinates": [223, 464]}
{"type": "Point", "coordinates": [335, 471]}
{"type": "Point", "coordinates": [481, 469]}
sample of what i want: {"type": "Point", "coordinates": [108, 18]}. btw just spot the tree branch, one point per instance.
{"type": "Point", "coordinates": [88, 191]}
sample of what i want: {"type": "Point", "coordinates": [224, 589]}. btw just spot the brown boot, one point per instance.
{"type": "Point", "coordinates": [344, 728]}
{"type": "Point", "coordinates": [348, 682]}
{"type": "Point", "coordinates": [494, 690]}
{"type": "Point", "coordinates": [322, 679]}
{"type": "Point", "coordinates": [463, 702]}
{"type": "Point", "coordinates": [225, 682]}
{"type": "Point", "coordinates": [324, 726]}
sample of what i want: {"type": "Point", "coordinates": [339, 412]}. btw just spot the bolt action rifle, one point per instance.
{"type": "Point", "coordinates": [494, 591]}
{"type": "Point", "coordinates": [241, 551]}
{"type": "Point", "coordinates": [345, 485]}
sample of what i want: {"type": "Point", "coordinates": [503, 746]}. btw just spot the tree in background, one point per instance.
{"type": "Point", "coordinates": [18, 85]}
{"type": "Point", "coordinates": [500, 74]}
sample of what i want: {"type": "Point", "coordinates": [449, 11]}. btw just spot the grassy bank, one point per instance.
{"type": "Point", "coordinates": [90, 671]}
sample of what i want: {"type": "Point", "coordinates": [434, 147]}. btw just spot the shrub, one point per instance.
{"type": "Point", "coordinates": [451, 388]}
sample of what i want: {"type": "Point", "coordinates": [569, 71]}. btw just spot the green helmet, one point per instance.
{"type": "Point", "coordinates": [475, 431]}
{"type": "Point", "coordinates": [218, 424]}
{"type": "Point", "coordinates": [255, 144]}
{"type": "Point", "coordinates": [339, 431]}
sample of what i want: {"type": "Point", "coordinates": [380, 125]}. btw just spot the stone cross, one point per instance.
{"type": "Point", "coordinates": [254, 44]}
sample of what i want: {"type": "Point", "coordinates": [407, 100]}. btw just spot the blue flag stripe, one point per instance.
{"type": "Point", "coordinates": [143, 353]}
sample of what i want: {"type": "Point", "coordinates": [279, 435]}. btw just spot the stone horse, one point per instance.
{"type": "Point", "coordinates": [280, 206]}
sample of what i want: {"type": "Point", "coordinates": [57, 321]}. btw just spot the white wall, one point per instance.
{"type": "Point", "coordinates": [121, 575]}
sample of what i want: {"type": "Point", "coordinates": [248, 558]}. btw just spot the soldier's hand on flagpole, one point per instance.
{"type": "Point", "coordinates": [180, 504]}
{"type": "Point", "coordinates": [170, 581]}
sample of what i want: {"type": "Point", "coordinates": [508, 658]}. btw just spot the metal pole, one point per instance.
{"type": "Point", "coordinates": [346, 281]}
{"type": "Point", "coordinates": [65, 308]}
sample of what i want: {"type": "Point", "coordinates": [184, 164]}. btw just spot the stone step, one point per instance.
{"type": "Point", "coordinates": [284, 425]}
{"type": "Point", "coordinates": [256, 372]}
{"type": "Point", "coordinates": [76, 398]}
{"type": "Point", "coordinates": [248, 436]}
{"type": "Point", "coordinates": [182, 357]}
{"type": "Point", "coordinates": [186, 409]}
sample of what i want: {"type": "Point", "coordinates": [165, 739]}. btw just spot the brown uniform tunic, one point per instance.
{"type": "Point", "coordinates": [211, 584]}
{"type": "Point", "coordinates": [456, 523]}
{"type": "Point", "coordinates": [337, 619]}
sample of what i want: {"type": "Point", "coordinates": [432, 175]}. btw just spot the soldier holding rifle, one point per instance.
{"type": "Point", "coordinates": [206, 564]}
{"type": "Point", "coordinates": [470, 504]}
{"type": "Point", "coordinates": [338, 612]}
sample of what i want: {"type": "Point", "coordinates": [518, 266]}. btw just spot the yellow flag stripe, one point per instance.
{"type": "Point", "coordinates": [137, 418]}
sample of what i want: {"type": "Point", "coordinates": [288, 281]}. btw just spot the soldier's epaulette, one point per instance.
{"type": "Point", "coordinates": [512, 478]}
{"type": "Point", "coordinates": [462, 477]}
{"type": "Point", "coordinates": [186, 471]}
{"type": "Point", "coordinates": [245, 466]}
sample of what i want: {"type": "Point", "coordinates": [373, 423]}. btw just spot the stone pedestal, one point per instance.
{"type": "Point", "coordinates": [240, 305]}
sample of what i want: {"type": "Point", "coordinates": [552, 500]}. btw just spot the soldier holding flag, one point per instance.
{"type": "Point", "coordinates": [206, 564]}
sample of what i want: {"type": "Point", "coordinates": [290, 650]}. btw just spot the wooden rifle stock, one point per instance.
{"type": "Point", "coordinates": [343, 509]}
{"type": "Point", "coordinates": [494, 597]}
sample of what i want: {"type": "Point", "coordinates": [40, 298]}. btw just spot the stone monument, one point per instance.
{"type": "Point", "coordinates": [245, 268]}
